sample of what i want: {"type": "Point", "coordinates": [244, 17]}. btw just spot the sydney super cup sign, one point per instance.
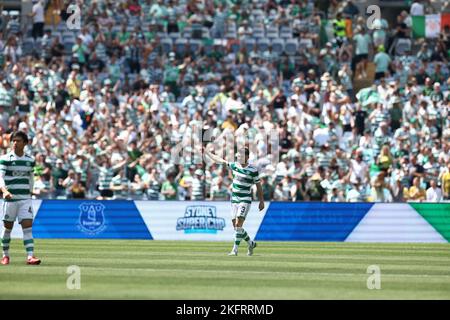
{"type": "Point", "coordinates": [200, 219]}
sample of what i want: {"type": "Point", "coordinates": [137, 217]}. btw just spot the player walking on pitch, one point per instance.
{"type": "Point", "coordinates": [244, 176]}
{"type": "Point", "coordinates": [16, 183]}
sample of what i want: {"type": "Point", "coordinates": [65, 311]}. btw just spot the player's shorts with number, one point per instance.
{"type": "Point", "coordinates": [20, 210]}
{"type": "Point", "coordinates": [239, 210]}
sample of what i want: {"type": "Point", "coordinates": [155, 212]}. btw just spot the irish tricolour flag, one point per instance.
{"type": "Point", "coordinates": [429, 26]}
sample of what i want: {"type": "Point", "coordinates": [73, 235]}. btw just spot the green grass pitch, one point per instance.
{"type": "Point", "coordinates": [131, 269]}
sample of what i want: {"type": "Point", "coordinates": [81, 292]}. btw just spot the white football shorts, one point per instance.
{"type": "Point", "coordinates": [240, 210]}
{"type": "Point", "coordinates": [20, 210]}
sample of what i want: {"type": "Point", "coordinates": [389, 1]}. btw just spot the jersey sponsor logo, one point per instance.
{"type": "Point", "coordinates": [20, 173]}
{"type": "Point", "coordinates": [200, 219]}
{"type": "Point", "coordinates": [92, 218]}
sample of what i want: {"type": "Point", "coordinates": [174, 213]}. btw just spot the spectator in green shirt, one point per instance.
{"type": "Point", "coordinates": [169, 188]}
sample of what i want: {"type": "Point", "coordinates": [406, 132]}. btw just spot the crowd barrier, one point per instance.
{"type": "Point", "coordinates": [210, 221]}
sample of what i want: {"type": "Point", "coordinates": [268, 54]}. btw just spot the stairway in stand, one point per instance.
{"type": "Point", "coordinates": [361, 83]}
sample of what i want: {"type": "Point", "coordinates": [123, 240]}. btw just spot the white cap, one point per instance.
{"type": "Point", "coordinates": [23, 126]}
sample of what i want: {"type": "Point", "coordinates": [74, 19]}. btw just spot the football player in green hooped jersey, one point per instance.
{"type": "Point", "coordinates": [16, 184]}
{"type": "Point", "coordinates": [244, 176]}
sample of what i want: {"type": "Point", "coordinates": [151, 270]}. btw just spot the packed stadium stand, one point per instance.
{"type": "Point", "coordinates": [107, 89]}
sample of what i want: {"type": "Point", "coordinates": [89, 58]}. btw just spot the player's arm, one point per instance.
{"type": "Point", "coordinates": [32, 179]}
{"type": "Point", "coordinates": [214, 157]}
{"type": "Point", "coordinates": [6, 193]}
{"type": "Point", "coordinates": [3, 188]}
{"type": "Point", "coordinates": [259, 193]}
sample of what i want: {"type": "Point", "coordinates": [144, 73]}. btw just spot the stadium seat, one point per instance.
{"type": "Point", "coordinates": [38, 46]}
{"type": "Point", "coordinates": [57, 35]}
{"type": "Point", "coordinates": [166, 45]}
{"type": "Point", "coordinates": [27, 46]}
{"type": "Point", "coordinates": [181, 46]}
{"type": "Point", "coordinates": [133, 21]}
{"type": "Point", "coordinates": [194, 45]}
{"type": "Point", "coordinates": [402, 46]}
{"type": "Point", "coordinates": [174, 36]}
{"type": "Point", "coordinates": [67, 33]}
{"type": "Point", "coordinates": [235, 46]}
{"type": "Point", "coordinates": [231, 26]}
{"type": "Point", "coordinates": [161, 34]}
{"type": "Point", "coordinates": [305, 43]}
{"type": "Point", "coordinates": [303, 26]}
{"type": "Point", "coordinates": [68, 37]}
{"type": "Point", "coordinates": [286, 35]}
{"type": "Point", "coordinates": [278, 45]}
{"type": "Point", "coordinates": [187, 33]}
{"type": "Point", "coordinates": [231, 35]}
{"type": "Point", "coordinates": [285, 29]}
{"type": "Point", "coordinates": [290, 46]}
{"type": "Point", "coordinates": [272, 29]}
{"type": "Point", "coordinates": [263, 44]}
{"type": "Point", "coordinates": [258, 34]}
{"type": "Point", "coordinates": [257, 15]}
{"type": "Point", "coordinates": [117, 28]}
{"type": "Point", "coordinates": [232, 29]}
{"type": "Point", "coordinates": [68, 47]}
{"type": "Point", "coordinates": [250, 44]}
{"type": "Point", "coordinates": [272, 35]}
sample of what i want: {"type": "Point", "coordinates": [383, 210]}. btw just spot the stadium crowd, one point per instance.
{"type": "Point", "coordinates": [105, 105]}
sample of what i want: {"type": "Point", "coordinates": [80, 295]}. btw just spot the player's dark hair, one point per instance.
{"type": "Point", "coordinates": [20, 134]}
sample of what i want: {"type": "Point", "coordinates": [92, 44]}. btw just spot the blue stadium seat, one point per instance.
{"type": "Point", "coordinates": [174, 36]}
{"type": "Point", "coordinates": [272, 35]}
{"type": "Point", "coordinates": [263, 44]}
{"type": "Point", "coordinates": [278, 45]}
{"type": "Point", "coordinates": [187, 32]}
{"type": "Point", "coordinates": [231, 35]}
{"type": "Point", "coordinates": [181, 46]}
{"type": "Point", "coordinates": [291, 46]}
{"type": "Point", "coordinates": [194, 45]}
{"type": "Point", "coordinates": [57, 35]}
{"type": "Point", "coordinates": [166, 45]}
{"type": "Point", "coordinates": [250, 44]}
{"type": "Point", "coordinates": [68, 47]}
{"type": "Point", "coordinates": [305, 44]}
{"type": "Point", "coordinates": [286, 35]}
{"type": "Point", "coordinates": [27, 46]}
{"type": "Point", "coordinates": [402, 46]}
{"type": "Point", "coordinates": [235, 46]}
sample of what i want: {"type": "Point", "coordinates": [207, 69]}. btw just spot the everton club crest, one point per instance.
{"type": "Point", "coordinates": [92, 218]}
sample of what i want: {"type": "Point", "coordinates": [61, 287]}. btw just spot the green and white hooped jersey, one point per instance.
{"type": "Point", "coordinates": [243, 180]}
{"type": "Point", "coordinates": [105, 177]}
{"type": "Point", "coordinates": [17, 172]}
{"type": "Point", "coordinates": [198, 188]}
